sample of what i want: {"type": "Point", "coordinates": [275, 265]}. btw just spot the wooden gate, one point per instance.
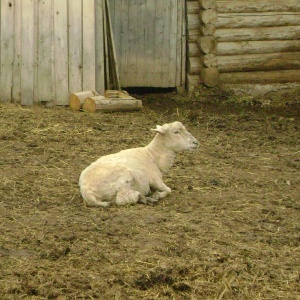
{"type": "Point", "coordinates": [150, 40]}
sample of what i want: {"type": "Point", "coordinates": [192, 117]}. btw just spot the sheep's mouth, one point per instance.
{"type": "Point", "coordinates": [194, 147]}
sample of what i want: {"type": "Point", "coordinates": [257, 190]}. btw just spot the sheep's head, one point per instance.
{"type": "Point", "coordinates": [176, 137]}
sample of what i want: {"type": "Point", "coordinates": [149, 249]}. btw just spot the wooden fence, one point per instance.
{"type": "Point", "coordinates": [49, 49]}
{"type": "Point", "coordinates": [243, 41]}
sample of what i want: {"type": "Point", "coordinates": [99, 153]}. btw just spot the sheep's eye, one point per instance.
{"type": "Point", "coordinates": [176, 132]}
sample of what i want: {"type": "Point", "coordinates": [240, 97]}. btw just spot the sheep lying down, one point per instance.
{"type": "Point", "coordinates": [135, 175]}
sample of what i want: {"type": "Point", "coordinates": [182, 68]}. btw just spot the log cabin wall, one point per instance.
{"type": "Point", "coordinates": [243, 41]}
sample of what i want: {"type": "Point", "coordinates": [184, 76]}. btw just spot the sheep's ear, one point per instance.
{"type": "Point", "coordinates": [159, 129]}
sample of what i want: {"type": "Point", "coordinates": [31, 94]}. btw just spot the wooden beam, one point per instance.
{"type": "Point", "coordinates": [261, 77]}
{"type": "Point", "coordinates": [193, 21]}
{"type": "Point", "coordinates": [259, 33]}
{"type": "Point", "coordinates": [259, 62]}
{"type": "Point", "coordinates": [242, 20]}
{"type": "Point", "coordinates": [257, 6]}
{"type": "Point", "coordinates": [193, 50]}
{"type": "Point", "coordinates": [253, 47]}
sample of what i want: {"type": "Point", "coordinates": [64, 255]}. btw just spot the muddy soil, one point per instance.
{"type": "Point", "coordinates": [229, 230]}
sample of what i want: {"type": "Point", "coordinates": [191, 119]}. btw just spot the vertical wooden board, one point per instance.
{"type": "Point", "coordinates": [28, 40]}
{"type": "Point", "coordinates": [88, 45]}
{"type": "Point", "coordinates": [165, 45]}
{"type": "Point", "coordinates": [45, 74]}
{"type": "Point", "coordinates": [16, 88]}
{"type": "Point", "coordinates": [150, 43]}
{"type": "Point", "coordinates": [142, 72]}
{"type": "Point", "coordinates": [99, 56]}
{"type": "Point", "coordinates": [131, 77]}
{"type": "Point", "coordinates": [75, 46]}
{"type": "Point", "coordinates": [158, 42]}
{"type": "Point", "coordinates": [61, 51]}
{"type": "Point", "coordinates": [181, 44]}
{"type": "Point", "coordinates": [116, 29]}
{"type": "Point", "coordinates": [123, 9]}
{"type": "Point", "coordinates": [7, 50]}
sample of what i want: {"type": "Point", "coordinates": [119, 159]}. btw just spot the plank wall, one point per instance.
{"type": "Point", "coordinates": [150, 42]}
{"type": "Point", "coordinates": [48, 49]}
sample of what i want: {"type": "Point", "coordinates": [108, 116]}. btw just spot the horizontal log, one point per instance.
{"type": "Point", "coordinates": [261, 77]}
{"type": "Point", "coordinates": [193, 50]}
{"type": "Point", "coordinates": [193, 21]}
{"type": "Point", "coordinates": [257, 6]}
{"type": "Point", "coordinates": [242, 20]}
{"type": "Point", "coordinates": [192, 7]}
{"type": "Point", "coordinates": [193, 35]}
{"type": "Point", "coordinates": [208, 16]}
{"type": "Point", "coordinates": [207, 4]}
{"type": "Point", "coordinates": [259, 33]}
{"type": "Point", "coordinates": [253, 47]}
{"type": "Point", "coordinates": [207, 44]}
{"type": "Point", "coordinates": [194, 65]}
{"type": "Point", "coordinates": [259, 62]}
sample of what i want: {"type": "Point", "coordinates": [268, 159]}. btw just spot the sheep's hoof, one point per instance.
{"type": "Point", "coordinates": [142, 200]}
{"type": "Point", "coordinates": [151, 200]}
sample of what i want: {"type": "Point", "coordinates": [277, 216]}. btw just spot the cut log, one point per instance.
{"type": "Point", "coordinates": [206, 4]}
{"type": "Point", "coordinates": [253, 47]}
{"type": "Point", "coordinates": [93, 104]}
{"type": "Point", "coordinates": [246, 20]}
{"type": "Point", "coordinates": [209, 60]}
{"type": "Point", "coordinates": [257, 34]}
{"type": "Point", "coordinates": [210, 76]}
{"type": "Point", "coordinates": [207, 44]}
{"type": "Point", "coordinates": [261, 77]}
{"type": "Point", "coordinates": [259, 62]}
{"type": "Point", "coordinates": [208, 16]}
{"type": "Point", "coordinates": [77, 99]}
{"type": "Point", "coordinates": [208, 29]}
{"type": "Point", "coordinates": [246, 6]}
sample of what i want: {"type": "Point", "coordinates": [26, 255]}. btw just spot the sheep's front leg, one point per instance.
{"type": "Point", "coordinates": [162, 190]}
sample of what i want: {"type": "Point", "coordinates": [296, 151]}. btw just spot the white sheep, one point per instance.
{"type": "Point", "coordinates": [135, 175]}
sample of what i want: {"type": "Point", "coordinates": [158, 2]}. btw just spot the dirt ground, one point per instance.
{"type": "Point", "coordinates": [229, 230]}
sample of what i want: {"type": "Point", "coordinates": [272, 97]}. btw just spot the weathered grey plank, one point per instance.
{"type": "Point", "coordinates": [28, 58]}
{"type": "Point", "coordinates": [99, 57]}
{"type": "Point", "coordinates": [45, 52]}
{"type": "Point", "coordinates": [75, 46]}
{"type": "Point", "coordinates": [61, 51]}
{"type": "Point", "coordinates": [88, 42]}
{"type": "Point", "coordinates": [6, 50]}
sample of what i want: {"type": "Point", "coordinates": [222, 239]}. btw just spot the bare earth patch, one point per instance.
{"type": "Point", "coordinates": [229, 230]}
